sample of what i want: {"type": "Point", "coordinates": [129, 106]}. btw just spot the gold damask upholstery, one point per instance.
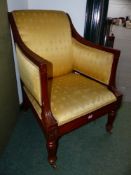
{"type": "Point", "coordinates": [94, 62]}
{"type": "Point", "coordinates": [52, 43]}
{"type": "Point", "coordinates": [73, 96]}
{"type": "Point", "coordinates": [67, 80]}
{"type": "Point", "coordinates": [29, 74]}
{"type": "Point", "coordinates": [57, 46]}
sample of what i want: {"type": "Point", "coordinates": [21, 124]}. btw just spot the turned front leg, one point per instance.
{"type": "Point", "coordinates": [52, 150]}
{"type": "Point", "coordinates": [110, 121]}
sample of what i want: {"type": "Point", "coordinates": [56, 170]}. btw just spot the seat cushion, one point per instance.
{"type": "Point", "coordinates": [48, 34]}
{"type": "Point", "coordinates": [74, 95]}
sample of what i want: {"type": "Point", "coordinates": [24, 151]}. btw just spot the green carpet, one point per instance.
{"type": "Point", "coordinates": [86, 151]}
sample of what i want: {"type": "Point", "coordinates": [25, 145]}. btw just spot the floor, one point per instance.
{"type": "Point", "coordinates": [88, 150]}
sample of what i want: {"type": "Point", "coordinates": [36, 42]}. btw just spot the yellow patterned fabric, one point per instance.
{"type": "Point", "coordinates": [73, 96]}
{"type": "Point", "coordinates": [92, 62]}
{"type": "Point", "coordinates": [29, 74]}
{"type": "Point", "coordinates": [47, 33]}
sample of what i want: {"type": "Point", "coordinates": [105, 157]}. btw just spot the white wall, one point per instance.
{"type": "Point", "coordinates": [17, 5]}
{"type": "Point", "coordinates": [119, 8]}
{"type": "Point", "coordinates": [75, 8]}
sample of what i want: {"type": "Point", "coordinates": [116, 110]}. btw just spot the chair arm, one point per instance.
{"type": "Point", "coordinates": [38, 66]}
{"type": "Point", "coordinates": [94, 60]}
{"type": "Point", "coordinates": [35, 79]}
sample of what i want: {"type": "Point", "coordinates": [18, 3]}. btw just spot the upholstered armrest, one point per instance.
{"type": "Point", "coordinates": [95, 61]}
{"type": "Point", "coordinates": [33, 74]}
{"type": "Point", "coordinates": [30, 74]}
{"type": "Point", "coordinates": [33, 67]}
{"type": "Point", "coordinates": [92, 62]}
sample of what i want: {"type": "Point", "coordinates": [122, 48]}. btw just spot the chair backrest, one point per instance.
{"type": "Point", "coordinates": [48, 34]}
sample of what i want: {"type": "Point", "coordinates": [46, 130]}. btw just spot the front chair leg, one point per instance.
{"type": "Point", "coordinates": [110, 121]}
{"type": "Point", "coordinates": [52, 150]}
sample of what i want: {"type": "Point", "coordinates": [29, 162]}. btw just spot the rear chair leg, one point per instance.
{"type": "Point", "coordinates": [110, 121]}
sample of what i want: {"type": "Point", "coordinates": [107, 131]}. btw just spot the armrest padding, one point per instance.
{"type": "Point", "coordinates": [29, 74]}
{"type": "Point", "coordinates": [92, 62]}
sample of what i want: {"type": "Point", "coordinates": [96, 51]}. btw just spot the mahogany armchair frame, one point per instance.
{"type": "Point", "coordinates": [48, 123]}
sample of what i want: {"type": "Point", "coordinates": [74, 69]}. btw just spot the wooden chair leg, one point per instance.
{"type": "Point", "coordinates": [52, 150]}
{"type": "Point", "coordinates": [110, 121]}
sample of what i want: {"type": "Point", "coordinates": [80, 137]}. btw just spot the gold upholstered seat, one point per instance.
{"type": "Point", "coordinates": [73, 96]}
{"type": "Point", "coordinates": [67, 80]}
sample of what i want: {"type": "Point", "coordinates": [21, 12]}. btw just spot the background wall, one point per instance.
{"type": "Point", "coordinates": [8, 91]}
{"type": "Point", "coordinates": [123, 43]}
{"type": "Point", "coordinates": [122, 8]}
{"type": "Point", "coordinates": [119, 8]}
{"type": "Point", "coordinates": [15, 4]}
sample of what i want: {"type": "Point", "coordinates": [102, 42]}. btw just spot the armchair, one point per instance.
{"type": "Point", "coordinates": [67, 80]}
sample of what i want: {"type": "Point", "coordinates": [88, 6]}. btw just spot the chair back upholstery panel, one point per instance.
{"type": "Point", "coordinates": [48, 34]}
{"type": "Point", "coordinates": [29, 74]}
{"type": "Point", "coordinates": [92, 62]}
